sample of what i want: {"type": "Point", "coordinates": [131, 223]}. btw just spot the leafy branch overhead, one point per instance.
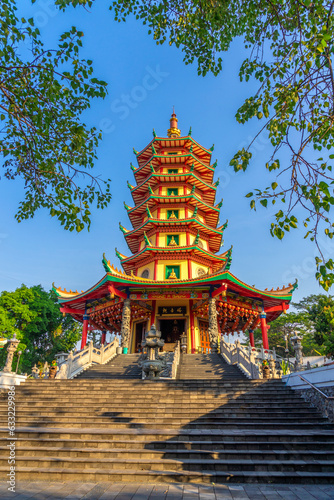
{"type": "Point", "coordinates": [43, 139]}
{"type": "Point", "coordinates": [289, 51]}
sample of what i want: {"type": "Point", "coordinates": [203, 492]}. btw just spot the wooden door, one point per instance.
{"type": "Point", "coordinates": [204, 337]}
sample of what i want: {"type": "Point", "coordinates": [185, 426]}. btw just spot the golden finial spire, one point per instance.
{"type": "Point", "coordinates": [173, 131]}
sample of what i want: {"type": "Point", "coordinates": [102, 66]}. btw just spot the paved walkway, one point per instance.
{"type": "Point", "coordinates": [130, 491]}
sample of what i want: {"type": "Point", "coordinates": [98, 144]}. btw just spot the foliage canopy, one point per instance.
{"type": "Point", "coordinates": [43, 141]}
{"type": "Point", "coordinates": [34, 316]}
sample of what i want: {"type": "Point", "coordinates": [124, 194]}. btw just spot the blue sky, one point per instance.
{"type": "Point", "coordinates": [145, 81]}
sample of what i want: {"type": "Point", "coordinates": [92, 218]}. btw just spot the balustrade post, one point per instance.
{"type": "Point", "coordinates": [90, 351]}
{"type": "Point", "coordinates": [69, 362]}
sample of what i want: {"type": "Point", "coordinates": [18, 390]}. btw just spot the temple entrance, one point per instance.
{"type": "Point", "coordinates": [140, 335]}
{"type": "Point", "coordinates": [171, 331]}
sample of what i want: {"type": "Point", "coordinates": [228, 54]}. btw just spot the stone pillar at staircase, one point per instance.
{"type": "Point", "coordinates": [125, 328]}
{"type": "Point", "coordinates": [213, 325]}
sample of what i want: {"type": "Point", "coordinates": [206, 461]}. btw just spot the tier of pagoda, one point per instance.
{"type": "Point", "coordinates": [174, 276]}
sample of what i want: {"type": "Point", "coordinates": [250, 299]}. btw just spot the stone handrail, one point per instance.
{"type": "Point", "coordinates": [176, 360]}
{"type": "Point", "coordinates": [89, 355]}
{"type": "Point", "coordinates": [244, 358]}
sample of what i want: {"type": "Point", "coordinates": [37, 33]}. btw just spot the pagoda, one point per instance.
{"type": "Point", "coordinates": [174, 276]}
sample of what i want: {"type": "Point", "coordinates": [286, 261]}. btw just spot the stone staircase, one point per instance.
{"type": "Point", "coordinates": [197, 430]}
{"type": "Point", "coordinates": [207, 367]}
{"type": "Point", "coordinates": [123, 366]}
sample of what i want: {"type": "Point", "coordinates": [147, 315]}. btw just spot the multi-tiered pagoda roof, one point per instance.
{"type": "Point", "coordinates": [174, 248]}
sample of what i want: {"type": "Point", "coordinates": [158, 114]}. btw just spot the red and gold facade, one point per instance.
{"type": "Point", "coordinates": [175, 276]}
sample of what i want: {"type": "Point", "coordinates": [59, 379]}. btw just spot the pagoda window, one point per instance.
{"type": "Point", "coordinates": [172, 191]}
{"type": "Point", "coordinates": [173, 240]}
{"type": "Point", "coordinates": [172, 272]}
{"type": "Point", "coordinates": [172, 214]}
{"type": "Point", "coordinates": [145, 274]}
{"type": "Point", "coordinates": [173, 171]}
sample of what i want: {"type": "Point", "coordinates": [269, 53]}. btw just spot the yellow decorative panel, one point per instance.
{"type": "Point", "coordinates": [150, 268]}
{"type": "Point", "coordinates": [198, 270]}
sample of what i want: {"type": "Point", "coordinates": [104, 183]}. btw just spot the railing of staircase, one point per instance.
{"type": "Point", "coordinates": [248, 360]}
{"type": "Point", "coordinates": [176, 360]}
{"type": "Point", "coordinates": [77, 362]}
{"type": "Point", "coordinates": [314, 387]}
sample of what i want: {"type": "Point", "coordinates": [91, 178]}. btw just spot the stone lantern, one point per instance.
{"type": "Point", "coordinates": [153, 364]}
{"type": "Point", "coordinates": [296, 343]}
{"type": "Point", "coordinates": [12, 346]}
{"type": "Point", "coordinates": [183, 343]}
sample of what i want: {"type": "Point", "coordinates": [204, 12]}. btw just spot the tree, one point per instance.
{"type": "Point", "coordinates": [287, 325]}
{"type": "Point", "coordinates": [34, 316]}
{"type": "Point", "coordinates": [320, 309]}
{"type": "Point", "coordinates": [289, 47]}
{"type": "Point", "coordinates": [43, 138]}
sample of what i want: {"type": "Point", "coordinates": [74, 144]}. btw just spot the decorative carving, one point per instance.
{"type": "Point", "coordinates": [126, 319]}
{"type": "Point", "coordinates": [213, 324]}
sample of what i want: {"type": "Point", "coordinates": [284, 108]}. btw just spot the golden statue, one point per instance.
{"type": "Point", "coordinates": [172, 215]}
{"type": "Point", "coordinates": [172, 242]}
{"type": "Point", "coordinates": [172, 275]}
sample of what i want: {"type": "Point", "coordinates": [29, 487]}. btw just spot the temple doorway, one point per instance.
{"type": "Point", "coordinates": [204, 337]}
{"type": "Point", "coordinates": [171, 331]}
{"type": "Point", "coordinates": [140, 335]}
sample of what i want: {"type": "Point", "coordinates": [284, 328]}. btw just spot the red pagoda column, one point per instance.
{"type": "Point", "coordinates": [103, 337]}
{"type": "Point", "coordinates": [251, 338]}
{"type": "Point", "coordinates": [84, 330]}
{"type": "Point", "coordinates": [264, 329]}
{"type": "Point", "coordinates": [192, 327]}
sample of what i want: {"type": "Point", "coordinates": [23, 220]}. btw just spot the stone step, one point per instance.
{"type": "Point", "coordinates": [154, 476]}
{"type": "Point", "coordinates": [157, 454]}
{"type": "Point", "coordinates": [164, 412]}
{"type": "Point", "coordinates": [169, 406]}
{"type": "Point", "coordinates": [209, 446]}
{"type": "Point", "coordinates": [123, 423]}
{"type": "Point", "coordinates": [191, 435]}
{"type": "Point", "coordinates": [325, 466]}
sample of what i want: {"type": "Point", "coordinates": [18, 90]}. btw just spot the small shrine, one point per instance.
{"type": "Point", "coordinates": [174, 276]}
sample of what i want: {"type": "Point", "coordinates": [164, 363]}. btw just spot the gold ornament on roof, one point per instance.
{"type": "Point", "coordinates": [172, 275]}
{"type": "Point", "coordinates": [172, 242]}
{"type": "Point", "coordinates": [173, 131]}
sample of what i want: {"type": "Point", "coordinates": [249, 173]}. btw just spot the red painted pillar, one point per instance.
{"type": "Point", "coordinates": [264, 329]}
{"type": "Point", "coordinates": [84, 330]}
{"type": "Point", "coordinates": [192, 327]}
{"type": "Point", "coordinates": [251, 338]}
{"type": "Point", "coordinates": [103, 337]}
{"type": "Point", "coordinates": [153, 313]}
